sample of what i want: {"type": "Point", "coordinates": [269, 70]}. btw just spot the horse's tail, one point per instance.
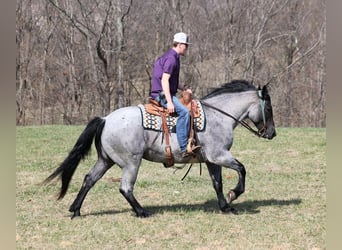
{"type": "Point", "coordinates": [80, 150]}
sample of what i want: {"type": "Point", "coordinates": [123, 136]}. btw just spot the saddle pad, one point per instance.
{"type": "Point", "coordinates": [154, 122]}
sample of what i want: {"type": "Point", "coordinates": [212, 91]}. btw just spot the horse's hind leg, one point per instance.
{"type": "Point", "coordinates": [90, 179]}
{"type": "Point", "coordinates": [129, 176]}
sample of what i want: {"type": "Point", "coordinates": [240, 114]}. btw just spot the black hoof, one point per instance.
{"type": "Point", "coordinates": [76, 214]}
{"type": "Point", "coordinates": [225, 208]}
{"type": "Point", "coordinates": [229, 209]}
{"type": "Point", "coordinates": [234, 211]}
{"type": "Point", "coordinates": [144, 214]}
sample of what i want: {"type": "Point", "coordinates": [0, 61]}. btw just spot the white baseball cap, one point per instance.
{"type": "Point", "coordinates": [181, 38]}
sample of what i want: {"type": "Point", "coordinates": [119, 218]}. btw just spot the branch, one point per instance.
{"type": "Point", "coordinates": [272, 39]}
{"type": "Point", "coordinates": [76, 23]}
{"type": "Point", "coordinates": [127, 11]}
{"type": "Point", "coordinates": [101, 52]}
{"type": "Point", "coordinates": [296, 61]}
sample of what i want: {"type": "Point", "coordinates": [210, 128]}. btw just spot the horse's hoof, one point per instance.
{"type": "Point", "coordinates": [76, 214]}
{"type": "Point", "coordinates": [225, 209]}
{"type": "Point", "coordinates": [228, 209]}
{"type": "Point", "coordinates": [144, 214]}
{"type": "Point", "coordinates": [231, 196]}
{"type": "Point", "coordinates": [234, 211]}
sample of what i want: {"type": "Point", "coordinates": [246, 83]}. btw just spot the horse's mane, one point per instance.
{"type": "Point", "coordinates": [232, 87]}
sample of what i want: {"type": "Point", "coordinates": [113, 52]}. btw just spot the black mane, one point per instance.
{"type": "Point", "coordinates": [232, 87]}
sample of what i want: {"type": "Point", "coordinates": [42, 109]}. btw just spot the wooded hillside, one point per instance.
{"type": "Point", "coordinates": [79, 59]}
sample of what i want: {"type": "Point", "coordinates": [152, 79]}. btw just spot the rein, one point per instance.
{"type": "Point", "coordinates": [243, 123]}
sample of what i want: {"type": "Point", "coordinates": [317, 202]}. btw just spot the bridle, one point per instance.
{"type": "Point", "coordinates": [262, 102]}
{"type": "Point", "coordinates": [259, 132]}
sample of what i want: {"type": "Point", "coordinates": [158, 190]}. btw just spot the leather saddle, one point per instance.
{"type": "Point", "coordinates": [154, 108]}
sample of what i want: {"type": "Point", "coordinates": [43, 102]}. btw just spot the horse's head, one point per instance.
{"type": "Point", "coordinates": [262, 115]}
{"type": "Point", "coordinates": [259, 111]}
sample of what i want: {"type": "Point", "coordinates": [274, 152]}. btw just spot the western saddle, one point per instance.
{"type": "Point", "coordinates": [153, 107]}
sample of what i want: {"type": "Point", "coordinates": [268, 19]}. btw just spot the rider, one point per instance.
{"type": "Point", "coordinates": [165, 83]}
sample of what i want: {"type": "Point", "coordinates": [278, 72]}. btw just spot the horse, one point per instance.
{"type": "Point", "coordinates": [120, 139]}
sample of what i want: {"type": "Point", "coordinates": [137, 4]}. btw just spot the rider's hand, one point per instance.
{"type": "Point", "coordinates": [188, 90]}
{"type": "Point", "coordinates": [170, 107]}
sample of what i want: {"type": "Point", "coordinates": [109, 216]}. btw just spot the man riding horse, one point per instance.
{"type": "Point", "coordinates": [165, 83]}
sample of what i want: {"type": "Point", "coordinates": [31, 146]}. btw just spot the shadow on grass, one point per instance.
{"type": "Point", "coordinates": [249, 207]}
{"type": "Point", "coordinates": [252, 206]}
{"type": "Point", "coordinates": [107, 212]}
{"type": "Point", "coordinates": [210, 206]}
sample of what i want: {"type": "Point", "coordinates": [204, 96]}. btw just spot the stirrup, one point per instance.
{"type": "Point", "coordinates": [190, 148]}
{"type": "Point", "coordinates": [193, 149]}
{"type": "Point", "coordinates": [190, 152]}
{"type": "Point", "coordinates": [186, 154]}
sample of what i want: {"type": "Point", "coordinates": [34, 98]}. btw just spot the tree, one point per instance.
{"type": "Point", "coordinates": [78, 59]}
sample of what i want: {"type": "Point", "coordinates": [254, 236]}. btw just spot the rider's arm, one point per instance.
{"type": "Point", "coordinates": [166, 88]}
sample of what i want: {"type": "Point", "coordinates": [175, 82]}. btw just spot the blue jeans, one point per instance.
{"type": "Point", "coordinates": [182, 125]}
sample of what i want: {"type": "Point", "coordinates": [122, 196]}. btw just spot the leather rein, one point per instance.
{"type": "Point", "coordinates": [258, 133]}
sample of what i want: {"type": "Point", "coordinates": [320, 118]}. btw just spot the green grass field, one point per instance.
{"type": "Point", "coordinates": [284, 206]}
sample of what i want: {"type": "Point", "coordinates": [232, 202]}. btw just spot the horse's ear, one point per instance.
{"type": "Point", "coordinates": [264, 89]}
{"type": "Point", "coordinates": [265, 92]}
{"type": "Point", "coordinates": [259, 88]}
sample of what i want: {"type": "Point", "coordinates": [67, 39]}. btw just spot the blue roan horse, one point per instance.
{"type": "Point", "coordinates": [121, 139]}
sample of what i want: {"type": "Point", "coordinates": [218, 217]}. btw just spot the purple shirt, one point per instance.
{"type": "Point", "coordinates": [167, 63]}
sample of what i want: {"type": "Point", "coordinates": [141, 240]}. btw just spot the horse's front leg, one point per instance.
{"type": "Point", "coordinates": [240, 187]}
{"type": "Point", "coordinates": [225, 159]}
{"type": "Point", "coordinates": [215, 172]}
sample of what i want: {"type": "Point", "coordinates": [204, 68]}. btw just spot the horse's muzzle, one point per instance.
{"type": "Point", "coordinates": [271, 135]}
{"type": "Point", "coordinates": [267, 133]}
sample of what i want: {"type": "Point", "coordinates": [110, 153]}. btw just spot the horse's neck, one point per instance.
{"type": "Point", "coordinates": [235, 104]}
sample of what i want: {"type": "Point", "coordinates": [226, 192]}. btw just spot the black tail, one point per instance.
{"type": "Point", "coordinates": [79, 152]}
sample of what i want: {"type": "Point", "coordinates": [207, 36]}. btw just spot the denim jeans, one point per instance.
{"type": "Point", "coordinates": [182, 125]}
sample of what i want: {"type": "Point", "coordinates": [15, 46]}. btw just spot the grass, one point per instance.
{"type": "Point", "coordinates": [284, 206]}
